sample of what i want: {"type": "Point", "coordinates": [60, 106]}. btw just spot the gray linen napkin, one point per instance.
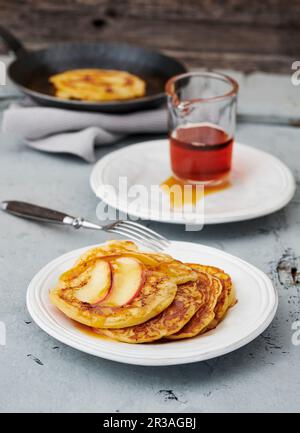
{"type": "Point", "coordinates": [66, 131]}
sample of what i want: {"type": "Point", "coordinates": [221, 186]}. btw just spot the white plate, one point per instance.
{"type": "Point", "coordinates": [261, 184]}
{"type": "Point", "coordinates": [256, 307]}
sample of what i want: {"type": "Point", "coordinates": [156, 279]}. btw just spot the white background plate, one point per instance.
{"type": "Point", "coordinates": [256, 307]}
{"type": "Point", "coordinates": [261, 184]}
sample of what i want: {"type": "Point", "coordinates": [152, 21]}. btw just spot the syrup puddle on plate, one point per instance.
{"type": "Point", "coordinates": [89, 331]}
{"type": "Point", "coordinates": [179, 195]}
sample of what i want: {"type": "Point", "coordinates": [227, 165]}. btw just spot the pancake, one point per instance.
{"type": "Point", "coordinates": [189, 298]}
{"type": "Point", "coordinates": [157, 291]}
{"type": "Point", "coordinates": [227, 296]}
{"type": "Point", "coordinates": [141, 297]}
{"type": "Point", "coordinates": [205, 314]}
{"type": "Point", "coordinates": [174, 268]}
{"type": "Point", "coordinates": [110, 247]}
{"type": "Point", "coordinates": [178, 271]}
{"type": "Point", "coordinates": [97, 85]}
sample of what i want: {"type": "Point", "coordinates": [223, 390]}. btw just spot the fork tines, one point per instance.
{"type": "Point", "coordinates": [140, 234]}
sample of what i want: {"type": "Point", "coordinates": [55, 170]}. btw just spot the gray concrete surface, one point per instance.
{"type": "Point", "coordinates": [40, 374]}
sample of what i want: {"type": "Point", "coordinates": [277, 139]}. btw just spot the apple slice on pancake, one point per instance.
{"type": "Point", "coordinates": [128, 279]}
{"type": "Point", "coordinates": [98, 285]}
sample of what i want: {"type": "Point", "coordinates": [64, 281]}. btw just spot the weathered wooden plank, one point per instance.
{"type": "Point", "coordinates": [209, 33]}
{"type": "Point", "coordinates": [267, 12]}
{"type": "Point", "coordinates": [246, 62]}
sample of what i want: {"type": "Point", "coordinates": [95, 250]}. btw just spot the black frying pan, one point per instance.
{"type": "Point", "coordinates": [31, 70]}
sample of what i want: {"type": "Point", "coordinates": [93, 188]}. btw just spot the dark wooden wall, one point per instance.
{"type": "Point", "coordinates": [241, 34]}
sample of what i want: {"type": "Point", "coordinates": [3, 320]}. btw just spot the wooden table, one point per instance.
{"type": "Point", "coordinates": [231, 34]}
{"type": "Point", "coordinates": [40, 374]}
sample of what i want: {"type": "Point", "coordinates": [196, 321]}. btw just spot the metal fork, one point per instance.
{"type": "Point", "coordinates": [129, 229]}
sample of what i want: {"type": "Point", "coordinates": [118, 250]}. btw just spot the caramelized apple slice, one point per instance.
{"type": "Point", "coordinates": [127, 281]}
{"type": "Point", "coordinates": [98, 285]}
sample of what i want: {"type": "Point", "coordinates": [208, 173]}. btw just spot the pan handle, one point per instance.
{"type": "Point", "coordinates": [12, 42]}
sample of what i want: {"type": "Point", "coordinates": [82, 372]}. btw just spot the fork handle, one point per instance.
{"type": "Point", "coordinates": [46, 215]}
{"type": "Point", "coordinates": [32, 211]}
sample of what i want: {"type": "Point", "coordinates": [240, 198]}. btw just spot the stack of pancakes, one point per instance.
{"type": "Point", "coordinates": [145, 297]}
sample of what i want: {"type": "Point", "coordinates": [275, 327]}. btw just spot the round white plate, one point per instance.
{"type": "Point", "coordinates": [256, 307]}
{"type": "Point", "coordinates": [260, 184]}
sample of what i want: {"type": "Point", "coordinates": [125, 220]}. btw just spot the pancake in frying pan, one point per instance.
{"type": "Point", "coordinates": [97, 85]}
